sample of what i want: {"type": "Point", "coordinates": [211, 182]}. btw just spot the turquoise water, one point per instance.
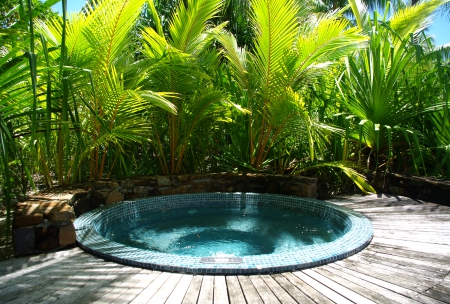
{"type": "Point", "coordinates": [219, 231]}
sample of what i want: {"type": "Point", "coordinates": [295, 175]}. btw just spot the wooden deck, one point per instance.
{"type": "Point", "coordinates": [408, 261]}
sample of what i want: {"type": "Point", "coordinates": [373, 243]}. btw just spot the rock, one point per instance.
{"type": "Point", "coordinates": [425, 191]}
{"type": "Point", "coordinates": [309, 191]}
{"type": "Point", "coordinates": [215, 176]}
{"type": "Point", "coordinates": [202, 183]}
{"type": "Point", "coordinates": [241, 187]}
{"type": "Point", "coordinates": [125, 190]}
{"type": "Point", "coordinates": [23, 220]}
{"type": "Point", "coordinates": [67, 235]}
{"type": "Point", "coordinates": [170, 190]}
{"type": "Point", "coordinates": [176, 182]}
{"type": "Point", "coordinates": [127, 183]}
{"type": "Point", "coordinates": [183, 177]}
{"type": "Point", "coordinates": [24, 239]}
{"type": "Point", "coordinates": [202, 176]}
{"type": "Point", "coordinates": [257, 177]}
{"type": "Point", "coordinates": [101, 193]}
{"type": "Point", "coordinates": [163, 181]}
{"type": "Point", "coordinates": [397, 190]}
{"type": "Point", "coordinates": [271, 188]}
{"type": "Point", "coordinates": [145, 181]}
{"type": "Point", "coordinates": [101, 186]}
{"type": "Point", "coordinates": [83, 205]}
{"type": "Point", "coordinates": [416, 182]}
{"type": "Point", "coordinates": [46, 238]}
{"type": "Point", "coordinates": [47, 244]}
{"type": "Point", "coordinates": [142, 189]}
{"type": "Point", "coordinates": [132, 196]}
{"type": "Point", "coordinates": [60, 214]}
{"type": "Point", "coordinates": [114, 196]}
{"type": "Point", "coordinates": [444, 185]}
{"type": "Point", "coordinates": [113, 185]}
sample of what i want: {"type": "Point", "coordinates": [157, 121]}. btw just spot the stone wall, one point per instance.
{"type": "Point", "coordinates": [44, 221]}
{"type": "Point", "coordinates": [422, 188]}
{"type": "Point", "coordinates": [107, 192]}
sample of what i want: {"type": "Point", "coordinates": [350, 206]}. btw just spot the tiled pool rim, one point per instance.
{"type": "Point", "coordinates": [359, 232]}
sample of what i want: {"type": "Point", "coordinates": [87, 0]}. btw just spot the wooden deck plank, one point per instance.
{"type": "Point", "coordinates": [93, 291]}
{"type": "Point", "coordinates": [152, 288]}
{"type": "Point", "coordinates": [141, 282]}
{"type": "Point", "coordinates": [443, 287]}
{"type": "Point", "coordinates": [70, 287]}
{"type": "Point", "coordinates": [207, 290]}
{"type": "Point", "coordinates": [337, 287]}
{"type": "Point", "coordinates": [180, 290]}
{"type": "Point", "coordinates": [33, 282]}
{"type": "Point", "coordinates": [164, 292]}
{"type": "Point", "coordinates": [118, 293]}
{"type": "Point", "coordinates": [312, 293]}
{"type": "Point", "coordinates": [410, 254]}
{"type": "Point", "coordinates": [435, 294]}
{"type": "Point", "coordinates": [278, 291]}
{"type": "Point", "coordinates": [413, 295]}
{"type": "Point", "coordinates": [407, 261]}
{"type": "Point", "coordinates": [249, 290]}
{"type": "Point", "coordinates": [292, 290]}
{"type": "Point", "coordinates": [434, 274]}
{"type": "Point", "coordinates": [405, 209]}
{"type": "Point", "coordinates": [220, 290]}
{"type": "Point", "coordinates": [419, 276]}
{"type": "Point", "coordinates": [193, 291]}
{"type": "Point", "coordinates": [403, 279]}
{"type": "Point", "coordinates": [37, 277]}
{"type": "Point", "coordinates": [329, 293]}
{"type": "Point", "coordinates": [99, 285]}
{"type": "Point", "coordinates": [441, 239]}
{"type": "Point", "coordinates": [372, 256]}
{"type": "Point", "coordinates": [264, 292]}
{"type": "Point", "coordinates": [393, 297]}
{"type": "Point", "coordinates": [14, 268]}
{"type": "Point", "coordinates": [235, 293]}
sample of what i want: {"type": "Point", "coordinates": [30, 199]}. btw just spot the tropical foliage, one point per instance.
{"type": "Point", "coordinates": [125, 88]}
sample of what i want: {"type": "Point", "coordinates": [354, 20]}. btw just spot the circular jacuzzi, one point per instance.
{"type": "Point", "coordinates": [247, 233]}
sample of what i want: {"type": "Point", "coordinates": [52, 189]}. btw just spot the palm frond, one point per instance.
{"type": "Point", "coordinates": [108, 31]}
{"type": "Point", "coordinates": [346, 167]}
{"type": "Point", "coordinates": [276, 27]}
{"type": "Point", "coordinates": [413, 19]}
{"type": "Point", "coordinates": [188, 24]}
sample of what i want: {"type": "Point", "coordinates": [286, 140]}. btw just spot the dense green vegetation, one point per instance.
{"type": "Point", "coordinates": [139, 87]}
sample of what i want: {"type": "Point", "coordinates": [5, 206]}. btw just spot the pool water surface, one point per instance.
{"type": "Point", "coordinates": [218, 231]}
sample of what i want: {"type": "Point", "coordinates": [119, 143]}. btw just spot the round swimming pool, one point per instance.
{"type": "Point", "coordinates": [223, 233]}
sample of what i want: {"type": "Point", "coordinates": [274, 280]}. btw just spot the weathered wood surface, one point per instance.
{"type": "Point", "coordinates": [408, 261]}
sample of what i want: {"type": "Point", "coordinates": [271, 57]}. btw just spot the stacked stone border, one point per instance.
{"type": "Point", "coordinates": [44, 222]}
{"type": "Point", "coordinates": [422, 188]}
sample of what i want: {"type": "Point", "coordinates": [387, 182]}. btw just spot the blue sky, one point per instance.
{"type": "Point", "coordinates": [440, 29]}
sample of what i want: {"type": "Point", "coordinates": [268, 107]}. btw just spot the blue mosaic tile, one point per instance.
{"type": "Point", "coordinates": [89, 226]}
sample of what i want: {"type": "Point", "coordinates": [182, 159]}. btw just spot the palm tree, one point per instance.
{"type": "Point", "coordinates": [381, 85]}
{"type": "Point", "coordinates": [270, 80]}
{"type": "Point", "coordinates": [107, 111]}
{"type": "Point", "coordinates": [186, 61]}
